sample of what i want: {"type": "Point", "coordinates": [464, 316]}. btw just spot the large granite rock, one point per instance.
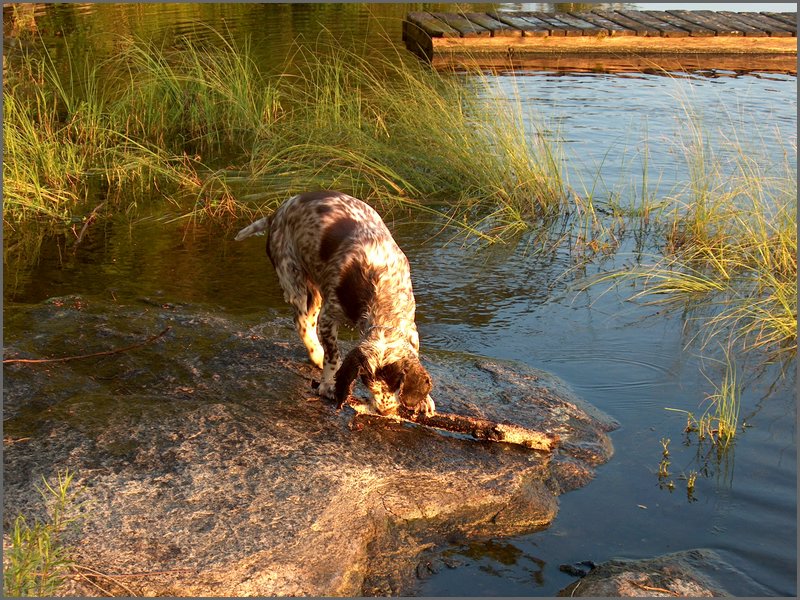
{"type": "Point", "coordinates": [208, 466]}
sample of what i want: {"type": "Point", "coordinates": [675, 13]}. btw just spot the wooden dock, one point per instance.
{"type": "Point", "coordinates": [606, 39]}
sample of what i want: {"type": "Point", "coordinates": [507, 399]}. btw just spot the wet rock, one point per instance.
{"type": "Point", "coordinates": [208, 463]}
{"type": "Point", "coordinates": [692, 573]}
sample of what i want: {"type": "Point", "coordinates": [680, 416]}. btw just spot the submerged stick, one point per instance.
{"type": "Point", "coordinates": [152, 338]}
{"type": "Point", "coordinates": [479, 429]}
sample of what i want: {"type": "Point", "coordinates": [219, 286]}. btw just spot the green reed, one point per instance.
{"type": "Point", "coordinates": [729, 248]}
{"type": "Point", "coordinates": [201, 96]}
{"type": "Point", "coordinates": [719, 422]}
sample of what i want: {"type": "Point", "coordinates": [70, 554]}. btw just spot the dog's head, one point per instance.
{"type": "Point", "coordinates": [404, 381]}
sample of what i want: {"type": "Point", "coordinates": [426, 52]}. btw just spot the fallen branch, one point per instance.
{"type": "Point", "coordinates": [89, 220]}
{"type": "Point", "coordinates": [479, 429]}
{"type": "Point", "coordinates": [149, 340]}
{"type": "Point", "coordinates": [96, 574]}
{"type": "Point", "coordinates": [649, 588]}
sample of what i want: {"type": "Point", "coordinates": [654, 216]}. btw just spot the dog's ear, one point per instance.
{"type": "Point", "coordinates": [354, 364]}
{"type": "Point", "coordinates": [416, 385]}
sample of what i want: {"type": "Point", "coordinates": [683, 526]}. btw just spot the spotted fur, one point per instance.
{"type": "Point", "coordinates": [338, 264]}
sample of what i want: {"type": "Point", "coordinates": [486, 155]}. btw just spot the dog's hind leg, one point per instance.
{"type": "Point", "coordinates": [306, 320]}
{"type": "Point", "coordinates": [328, 332]}
{"type": "Point", "coordinates": [304, 296]}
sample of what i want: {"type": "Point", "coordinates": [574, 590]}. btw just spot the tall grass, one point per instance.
{"type": "Point", "coordinates": [67, 125]}
{"type": "Point", "coordinates": [393, 130]}
{"type": "Point", "coordinates": [201, 96]}
{"type": "Point", "coordinates": [385, 128]}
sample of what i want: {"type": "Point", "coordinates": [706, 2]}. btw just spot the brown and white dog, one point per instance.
{"type": "Point", "coordinates": [338, 264]}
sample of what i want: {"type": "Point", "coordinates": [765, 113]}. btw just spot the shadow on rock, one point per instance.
{"type": "Point", "coordinates": [210, 467]}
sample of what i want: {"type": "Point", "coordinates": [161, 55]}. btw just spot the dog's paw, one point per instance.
{"type": "Point", "coordinates": [427, 407]}
{"type": "Point", "coordinates": [327, 389]}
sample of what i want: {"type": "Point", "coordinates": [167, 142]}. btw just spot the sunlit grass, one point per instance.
{"type": "Point", "coordinates": [729, 249]}
{"type": "Point", "coordinates": [392, 130]}
{"type": "Point", "coordinates": [198, 96]}
{"type": "Point", "coordinates": [63, 129]}
{"type": "Point", "coordinates": [387, 129]}
{"type": "Point", "coordinates": [719, 422]}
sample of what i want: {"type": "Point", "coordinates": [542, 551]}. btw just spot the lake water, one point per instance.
{"type": "Point", "coordinates": [631, 361]}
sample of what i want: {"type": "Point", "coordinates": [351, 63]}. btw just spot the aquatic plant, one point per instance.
{"type": "Point", "coordinates": [36, 562]}
{"type": "Point", "coordinates": [388, 129]}
{"type": "Point", "coordinates": [729, 249]}
{"type": "Point", "coordinates": [720, 420]}
{"type": "Point", "coordinates": [663, 466]}
{"type": "Point", "coordinates": [66, 133]}
{"type": "Point", "coordinates": [42, 159]}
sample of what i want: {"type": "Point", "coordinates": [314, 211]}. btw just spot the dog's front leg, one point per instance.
{"type": "Point", "coordinates": [328, 331]}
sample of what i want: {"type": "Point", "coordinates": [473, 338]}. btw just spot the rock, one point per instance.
{"type": "Point", "coordinates": [692, 573]}
{"type": "Point", "coordinates": [209, 467]}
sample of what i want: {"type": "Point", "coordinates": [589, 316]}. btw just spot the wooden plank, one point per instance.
{"type": "Point", "coordinates": [773, 28]}
{"type": "Point", "coordinates": [610, 45]}
{"type": "Point", "coordinates": [611, 27]}
{"type": "Point", "coordinates": [639, 28]}
{"type": "Point", "coordinates": [431, 25]}
{"type": "Point", "coordinates": [719, 27]}
{"type": "Point", "coordinates": [464, 26]}
{"type": "Point", "coordinates": [693, 29]}
{"type": "Point", "coordinates": [417, 40]}
{"type": "Point", "coordinates": [557, 28]}
{"type": "Point", "coordinates": [665, 29]}
{"type": "Point", "coordinates": [787, 18]}
{"type": "Point", "coordinates": [747, 30]}
{"type": "Point", "coordinates": [497, 28]}
{"type": "Point", "coordinates": [618, 61]}
{"type": "Point", "coordinates": [585, 26]}
{"type": "Point", "coordinates": [527, 28]}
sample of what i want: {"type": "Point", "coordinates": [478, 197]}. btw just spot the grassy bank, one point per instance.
{"type": "Point", "coordinates": [387, 130]}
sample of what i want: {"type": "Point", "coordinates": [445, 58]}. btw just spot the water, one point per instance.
{"type": "Point", "coordinates": [508, 303]}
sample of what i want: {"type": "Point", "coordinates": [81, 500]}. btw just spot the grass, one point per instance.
{"type": "Point", "coordinates": [720, 421]}
{"type": "Point", "coordinates": [198, 98]}
{"type": "Point", "coordinates": [393, 131]}
{"type": "Point", "coordinates": [36, 563]}
{"type": "Point", "coordinates": [728, 250]}
{"type": "Point", "coordinates": [389, 130]}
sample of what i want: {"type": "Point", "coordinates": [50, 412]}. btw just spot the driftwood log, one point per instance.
{"type": "Point", "coordinates": [479, 429]}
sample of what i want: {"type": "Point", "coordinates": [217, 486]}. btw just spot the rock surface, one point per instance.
{"type": "Point", "coordinates": [208, 466]}
{"type": "Point", "coordinates": [692, 573]}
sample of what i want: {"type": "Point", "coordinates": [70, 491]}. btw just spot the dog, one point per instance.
{"type": "Point", "coordinates": [338, 264]}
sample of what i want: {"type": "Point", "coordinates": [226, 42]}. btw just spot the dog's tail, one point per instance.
{"type": "Point", "coordinates": [256, 228]}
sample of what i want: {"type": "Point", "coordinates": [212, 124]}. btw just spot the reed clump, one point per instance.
{"type": "Point", "coordinates": [393, 130]}
{"type": "Point", "coordinates": [200, 97]}
{"type": "Point", "coordinates": [729, 248]}
{"type": "Point", "coordinates": [65, 133]}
